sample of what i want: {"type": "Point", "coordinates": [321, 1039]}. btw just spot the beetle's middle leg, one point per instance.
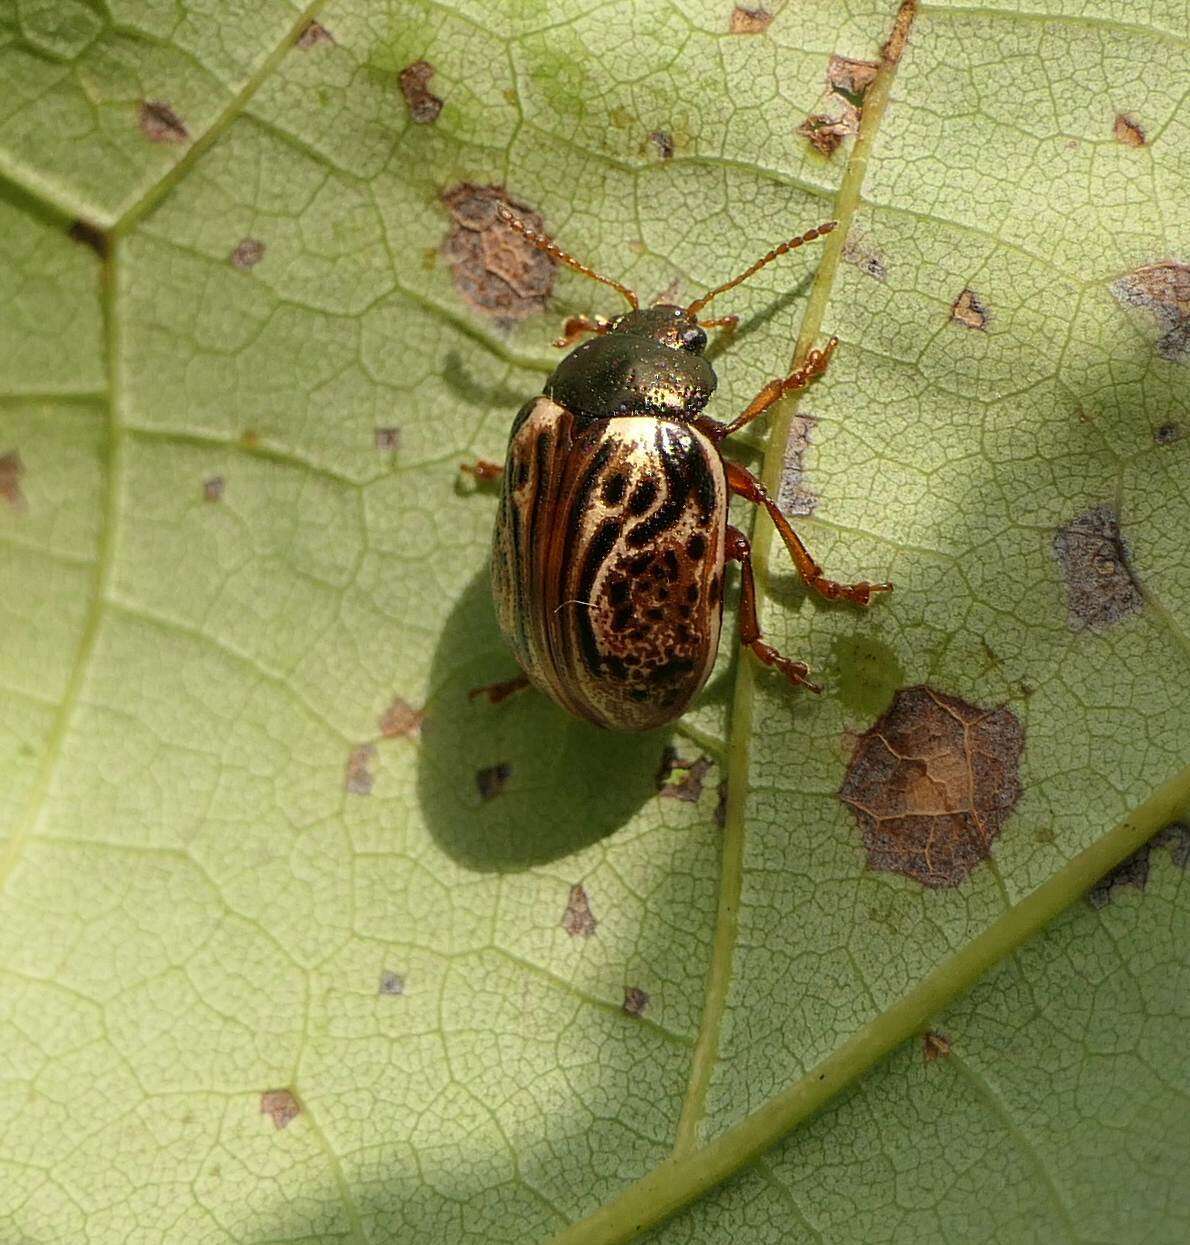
{"type": "Point", "coordinates": [817, 361]}
{"type": "Point", "coordinates": [482, 469]}
{"type": "Point", "coordinates": [738, 550]}
{"type": "Point", "coordinates": [744, 484]}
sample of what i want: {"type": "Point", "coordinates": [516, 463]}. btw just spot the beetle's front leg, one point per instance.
{"type": "Point", "coordinates": [817, 361]}
{"type": "Point", "coordinates": [745, 484]}
{"type": "Point", "coordinates": [738, 550]}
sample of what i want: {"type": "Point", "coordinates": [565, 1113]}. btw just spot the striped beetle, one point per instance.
{"type": "Point", "coordinates": [611, 539]}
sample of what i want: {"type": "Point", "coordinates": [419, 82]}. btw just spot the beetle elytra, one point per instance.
{"type": "Point", "coordinates": [612, 535]}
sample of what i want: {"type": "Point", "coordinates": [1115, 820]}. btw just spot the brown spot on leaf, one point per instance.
{"type": "Point", "coordinates": [1134, 870]}
{"type": "Point", "coordinates": [865, 260]}
{"type": "Point", "coordinates": [894, 45]}
{"type": "Point", "coordinates": [160, 123]}
{"type": "Point", "coordinates": [578, 920]}
{"type": "Point", "coordinates": [492, 780]}
{"type": "Point", "coordinates": [424, 106]}
{"type": "Point", "coordinates": [1163, 289]}
{"type": "Point", "coordinates": [495, 269]}
{"type": "Point", "coordinates": [850, 77]}
{"type": "Point", "coordinates": [931, 784]}
{"type": "Point", "coordinates": [391, 983]}
{"type": "Point", "coordinates": [721, 806]}
{"type": "Point", "coordinates": [11, 471]}
{"type": "Point", "coordinates": [90, 235]}
{"type": "Point", "coordinates": [313, 33]}
{"type": "Point", "coordinates": [826, 134]}
{"type": "Point", "coordinates": [247, 254]}
{"type": "Point", "coordinates": [1129, 131]}
{"type": "Point", "coordinates": [1100, 586]}
{"type": "Point", "coordinates": [359, 779]}
{"type": "Point", "coordinates": [635, 1001]}
{"type": "Point", "coordinates": [749, 21]}
{"type": "Point", "coordinates": [212, 488]}
{"type": "Point", "coordinates": [794, 496]}
{"type": "Point", "coordinates": [386, 440]}
{"type": "Point", "coordinates": [969, 310]}
{"type": "Point", "coordinates": [681, 780]}
{"type": "Point", "coordinates": [664, 143]}
{"type": "Point", "coordinates": [1167, 434]}
{"type": "Point", "coordinates": [934, 1045]}
{"type": "Point", "coordinates": [281, 1105]}
{"type": "Point", "coordinates": [401, 719]}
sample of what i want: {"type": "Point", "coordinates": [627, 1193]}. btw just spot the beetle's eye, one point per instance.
{"type": "Point", "coordinates": [693, 339]}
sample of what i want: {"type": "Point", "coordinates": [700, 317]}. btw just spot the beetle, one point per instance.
{"type": "Point", "coordinates": [612, 535]}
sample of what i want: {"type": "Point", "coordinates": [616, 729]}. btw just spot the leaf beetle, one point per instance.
{"type": "Point", "coordinates": [612, 534]}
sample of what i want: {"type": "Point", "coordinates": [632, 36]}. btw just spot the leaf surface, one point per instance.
{"type": "Point", "coordinates": [298, 942]}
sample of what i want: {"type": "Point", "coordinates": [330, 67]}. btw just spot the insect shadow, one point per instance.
{"type": "Point", "coordinates": [507, 786]}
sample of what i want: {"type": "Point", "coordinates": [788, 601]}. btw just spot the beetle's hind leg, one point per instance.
{"type": "Point", "coordinates": [483, 469]}
{"type": "Point", "coordinates": [744, 484]}
{"type": "Point", "coordinates": [738, 550]}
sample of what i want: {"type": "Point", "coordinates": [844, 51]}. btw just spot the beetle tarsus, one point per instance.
{"type": "Point", "coordinates": [482, 469]}
{"type": "Point", "coordinates": [575, 326]}
{"type": "Point", "coordinates": [817, 361]}
{"type": "Point", "coordinates": [497, 692]}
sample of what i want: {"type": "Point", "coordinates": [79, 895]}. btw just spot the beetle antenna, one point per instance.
{"type": "Point", "coordinates": [809, 236]}
{"type": "Point", "coordinates": [550, 247]}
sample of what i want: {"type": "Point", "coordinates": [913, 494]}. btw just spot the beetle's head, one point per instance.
{"type": "Point", "coordinates": [674, 327]}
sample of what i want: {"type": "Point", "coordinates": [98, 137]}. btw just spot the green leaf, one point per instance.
{"type": "Point", "coordinates": [297, 942]}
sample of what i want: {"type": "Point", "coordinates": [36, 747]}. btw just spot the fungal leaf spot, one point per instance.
{"type": "Point", "coordinates": [359, 779]}
{"type": "Point", "coordinates": [159, 122]}
{"type": "Point", "coordinates": [1129, 131]}
{"type": "Point", "coordinates": [825, 133]}
{"type": "Point", "coordinates": [313, 34]}
{"type": "Point", "coordinates": [401, 720]}
{"type": "Point", "coordinates": [794, 496]}
{"type": "Point", "coordinates": [635, 1001]}
{"type": "Point", "coordinates": [850, 78]}
{"type": "Point", "coordinates": [495, 270]}
{"type": "Point", "coordinates": [934, 1045]}
{"type": "Point", "coordinates": [1100, 586]}
{"type": "Point", "coordinates": [969, 311]}
{"type": "Point", "coordinates": [1133, 871]}
{"type": "Point", "coordinates": [281, 1106]}
{"type": "Point", "coordinates": [213, 488]}
{"type": "Point", "coordinates": [681, 780]}
{"type": "Point", "coordinates": [424, 105]}
{"type": "Point", "coordinates": [749, 21]}
{"type": "Point", "coordinates": [247, 254]}
{"type": "Point", "coordinates": [1164, 290]}
{"type": "Point", "coordinates": [391, 983]}
{"type": "Point", "coordinates": [663, 141]}
{"type": "Point", "coordinates": [578, 920]}
{"type": "Point", "coordinates": [932, 783]}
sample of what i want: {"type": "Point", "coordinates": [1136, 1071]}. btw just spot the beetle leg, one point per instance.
{"type": "Point", "coordinates": [745, 484]}
{"type": "Point", "coordinates": [720, 322]}
{"type": "Point", "coordinates": [496, 692]}
{"type": "Point", "coordinates": [575, 326]}
{"type": "Point", "coordinates": [816, 363]}
{"type": "Point", "coordinates": [482, 469]}
{"type": "Point", "coordinates": [738, 550]}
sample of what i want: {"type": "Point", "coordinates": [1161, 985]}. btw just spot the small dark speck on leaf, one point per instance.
{"type": "Point", "coordinates": [1129, 131]}
{"type": "Point", "coordinates": [1134, 870]}
{"type": "Point", "coordinates": [969, 310]}
{"type": "Point", "coordinates": [212, 488]}
{"type": "Point", "coordinates": [1167, 434]}
{"type": "Point", "coordinates": [424, 105]}
{"type": "Point", "coordinates": [312, 35]}
{"type": "Point", "coordinates": [1164, 290]}
{"type": "Point", "coordinates": [247, 254]}
{"type": "Point", "coordinates": [90, 235]}
{"type": "Point", "coordinates": [281, 1105]}
{"type": "Point", "coordinates": [495, 269]}
{"type": "Point", "coordinates": [681, 780]}
{"type": "Point", "coordinates": [401, 719]}
{"type": "Point", "coordinates": [11, 471]}
{"type": "Point", "coordinates": [387, 440]}
{"type": "Point", "coordinates": [159, 122]}
{"type": "Point", "coordinates": [934, 1045]}
{"type": "Point", "coordinates": [492, 780]}
{"type": "Point", "coordinates": [1100, 586]}
{"type": "Point", "coordinates": [578, 920]}
{"type": "Point", "coordinates": [749, 21]}
{"type": "Point", "coordinates": [865, 261]}
{"type": "Point", "coordinates": [359, 778]}
{"type": "Point", "coordinates": [664, 143]}
{"type": "Point", "coordinates": [391, 983]}
{"type": "Point", "coordinates": [931, 784]}
{"type": "Point", "coordinates": [635, 1001]}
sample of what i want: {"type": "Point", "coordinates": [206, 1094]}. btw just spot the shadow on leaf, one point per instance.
{"type": "Point", "coordinates": [507, 786]}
